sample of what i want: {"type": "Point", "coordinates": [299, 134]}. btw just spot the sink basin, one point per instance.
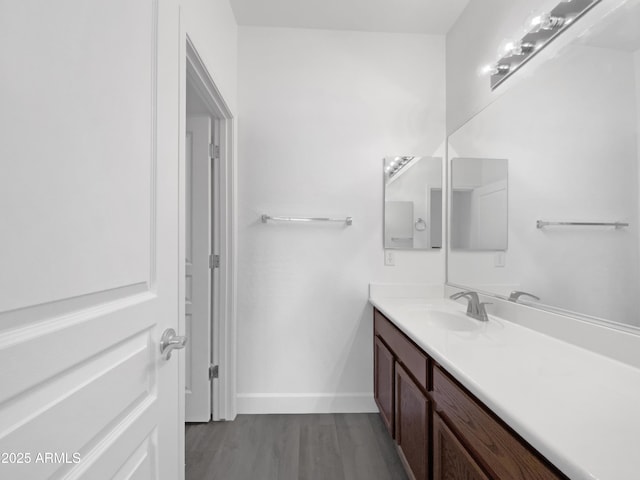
{"type": "Point", "coordinates": [436, 314]}
{"type": "Point", "coordinates": [418, 307]}
{"type": "Point", "coordinates": [450, 321]}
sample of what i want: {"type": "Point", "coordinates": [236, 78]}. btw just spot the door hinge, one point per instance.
{"type": "Point", "coordinates": [214, 261]}
{"type": "Point", "coordinates": [213, 372]}
{"type": "Point", "coordinates": [214, 150]}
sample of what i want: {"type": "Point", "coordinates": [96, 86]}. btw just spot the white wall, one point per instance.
{"type": "Point", "coordinates": [473, 42]}
{"type": "Point", "coordinates": [212, 28]}
{"type": "Point", "coordinates": [318, 112]}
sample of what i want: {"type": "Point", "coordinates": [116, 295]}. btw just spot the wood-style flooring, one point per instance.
{"type": "Point", "coordinates": [293, 447]}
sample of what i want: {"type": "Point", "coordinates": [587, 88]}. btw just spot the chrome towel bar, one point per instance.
{"type": "Point", "coordinates": [542, 224]}
{"type": "Point", "coordinates": [265, 218]}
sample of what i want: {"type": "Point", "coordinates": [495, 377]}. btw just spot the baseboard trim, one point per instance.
{"type": "Point", "coordinates": [265, 403]}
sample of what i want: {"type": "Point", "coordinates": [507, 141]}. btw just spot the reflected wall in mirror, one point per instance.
{"type": "Point", "coordinates": [412, 203]}
{"type": "Point", "coordinates": [479, 204]}
{"type": "Point", "coordinates": [571, 133]}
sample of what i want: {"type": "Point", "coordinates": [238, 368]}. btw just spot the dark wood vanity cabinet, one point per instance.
{"type": "Point", "coordinates": [442, 431]}
{"type": "Point", "coordinates": [451, 461]}
{"type": "Point", "coordinates": [501, 452]}
{"type": "Point", "coordinates": [412, 420]}
{"type": "Point", "coordinates": [400, 388]}
{"type": "Point", "coordinates": [383, 365]}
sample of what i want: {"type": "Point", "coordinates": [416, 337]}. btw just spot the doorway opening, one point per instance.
{"type": "Point", "coordinates": [207, 234]}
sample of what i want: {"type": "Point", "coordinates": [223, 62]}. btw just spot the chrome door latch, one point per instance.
{"type": "Point", "coordinates": [170, 341]}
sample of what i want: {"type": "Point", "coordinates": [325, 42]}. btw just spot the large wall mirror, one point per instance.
{"type": "Point", "coordinates": [412, 202]}
{"type": "Point", "coordinates": [570, 133]}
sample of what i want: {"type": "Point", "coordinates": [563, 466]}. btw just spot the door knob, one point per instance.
{"type": "Point", "coordinates": [170, 341]}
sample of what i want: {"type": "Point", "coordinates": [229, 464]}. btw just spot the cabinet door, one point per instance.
{"type": "Point", "coordinates": [412, 424]}
{"type": "Point", "coordinates": [500, 451]}
{"type": "Point", "coordinates": [383, 366]}
{"type": "Point", "coordinates": [451, 461]}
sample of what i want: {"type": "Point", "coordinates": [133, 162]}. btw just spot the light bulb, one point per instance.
{"type": "Point", "coordinates": [522, 48]}
{"type": "Point", "coordinates": [496, 69]}
{"type": "Point", "coordinates": [535, 21]}
{"type": "Point", "coordinates": [505, 49]}
{"type": "Point", "coordinates": [550, 22]}
{"type": "Point", "coordinates": [502, 68]}
{"type": "Point", "coordinates": [486, 70]}
{"type": "Point", "coordinates": [543, 21]}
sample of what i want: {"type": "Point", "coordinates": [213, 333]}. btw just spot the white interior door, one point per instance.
{"type": "Point", "coordinates": [89, 243]}
{"type": "Point", "coordinates": [197, 269]}
{"type": "Point", "coordinates": [435, 217]}
{"type": "Point", "coordinates": [489, 216]}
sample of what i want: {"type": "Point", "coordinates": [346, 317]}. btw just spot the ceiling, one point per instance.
{"type": "Point", "coordinates": [397, 16]}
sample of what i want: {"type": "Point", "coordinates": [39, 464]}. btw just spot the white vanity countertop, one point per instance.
{"type": "Point", "coordinates": [580, 409]}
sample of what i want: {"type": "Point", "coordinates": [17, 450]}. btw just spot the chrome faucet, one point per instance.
{"type": "Point", "coordinates": [515, 295]}
{"type": "Point", "coordinates": [475, 308]}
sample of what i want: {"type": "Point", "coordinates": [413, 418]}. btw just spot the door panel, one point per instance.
{"type": "Point", "coordinates": [383, 382]}
{"type": "Point", "coordinates": [412, 424]}
{"type": "Point", "coordinates": [72, 122]}
{"type": "Point", "coordinates": [188, 263]}
{"type": "Point", "coordinates": [65, 414]}
{"type": "Point", "coordinates": [89, 251]}
{"type": "Point", "coordinates": [198, 273]}
{"type": "Point", "coordinates": [451, 460]}
{"type": "Point", "coordinates": [489, 216]}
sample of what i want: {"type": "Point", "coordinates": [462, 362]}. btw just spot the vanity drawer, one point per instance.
{"type": "Point", "coordinates": [494, 446]}
{"type": "Point", "coordinates": [404, 350]}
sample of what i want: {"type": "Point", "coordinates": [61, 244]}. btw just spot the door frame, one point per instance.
{"type": "Point", "coordinates": [223, 327]}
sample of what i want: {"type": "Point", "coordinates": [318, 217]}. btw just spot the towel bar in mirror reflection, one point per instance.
{"type": "Point", "coordinates": [347, 221]}
{"type": "Point", "coordinates": [543, 223]}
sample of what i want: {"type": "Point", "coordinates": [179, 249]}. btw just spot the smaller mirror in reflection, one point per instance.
{"type": "Point", "coordinates": [412, 203]}
{"type": "Point", "coordinates": [479, 204]}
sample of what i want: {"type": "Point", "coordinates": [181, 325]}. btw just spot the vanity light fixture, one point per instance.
{"type": "Point", "coordinates": [540, 29]}
{"type": "Point", "coordinates": [396, 165]}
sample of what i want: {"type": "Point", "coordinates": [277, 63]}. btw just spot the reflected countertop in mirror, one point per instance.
{"type": "Point", "coordinates": [570, 133]}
